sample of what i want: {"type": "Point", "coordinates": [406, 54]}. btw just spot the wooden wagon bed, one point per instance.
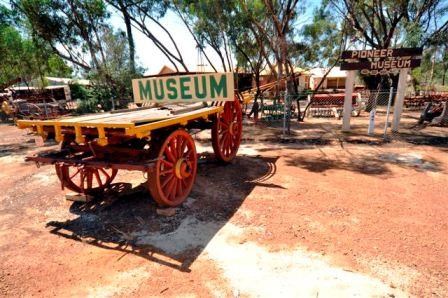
{"type": "Point", "coordinates": [132, 123]}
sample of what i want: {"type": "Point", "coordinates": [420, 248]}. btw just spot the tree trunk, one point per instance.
{"type": "Point", "coordinates": [127, 22]}
{"type": "Point", "coordinates": [445, 70]}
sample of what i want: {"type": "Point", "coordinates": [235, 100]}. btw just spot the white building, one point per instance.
{"type": "Point", "coordinates": [334, 80]}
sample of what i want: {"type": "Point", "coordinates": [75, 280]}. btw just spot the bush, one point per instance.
{"type": "Point", "coordinates": [78, 92]}
{"type": "Point", "coordinates": [95, 99]}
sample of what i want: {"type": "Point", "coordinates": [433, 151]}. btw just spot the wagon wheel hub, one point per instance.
{"type": "Point", "coordinates": [182, 168]}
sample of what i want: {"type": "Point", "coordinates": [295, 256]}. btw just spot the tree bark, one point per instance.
{"type": "Point", "coordinates": [130, 36]}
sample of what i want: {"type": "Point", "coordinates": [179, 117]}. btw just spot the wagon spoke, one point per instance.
{"type": "Point", "coordinates": [184, 182]}
{"type": "Point", "coordinates": [179, 186]}
{"type": "Point", "coordinates": [189, 153]}
{"type": "Point", "coordinates": [163, 173]}
{"type": "Point", "coordinates": [88, 177]}
{"type": "Point", "coordinates": [184, 146]}
{"type": "Point", "coordinates": [164, 183]}
{"type": "Point", "coordinates": [167, 163]}
{"type": "Point", "coordinates": [81, 184]}
{"type": "Point", "coordinates": [98, 178]}
{"type": "Point", "coordinates": [173, 148]}
{"type": "Point", "coordinates": [223, 123]}
{"type": "Point", "coordinates": [77, 171]}
{"type": "Point", "coordinates": [105, 173]}
{"type": "Point", "coordinates": [222, 140]}
{"type": "Point", "coordinates": [178, 147]}
{"type": "Point", "coordinates": [169, 155]}
{"type": "Point", "coordinates": [173, 189]}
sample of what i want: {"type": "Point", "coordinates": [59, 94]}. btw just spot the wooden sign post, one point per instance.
{"type": "Point", "coordinates": [398, 106]}
{"type": "Point", "coordinates": [347, 112]}
{"type": "Point", "coordinates": [378, 62]}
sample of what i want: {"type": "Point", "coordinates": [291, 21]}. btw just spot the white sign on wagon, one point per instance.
{"type": "Point", "coordinates": [184, 88]}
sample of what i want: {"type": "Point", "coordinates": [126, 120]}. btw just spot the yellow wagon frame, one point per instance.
{"type": "Point", "coordinates": [131, 129]}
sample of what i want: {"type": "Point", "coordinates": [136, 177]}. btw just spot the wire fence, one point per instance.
{"type": "Point", "coordinates": [372, 111]}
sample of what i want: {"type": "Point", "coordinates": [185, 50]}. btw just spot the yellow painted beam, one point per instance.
{"type": "Point", "coordinates": [57, 134]}
{"type": "Point", "coordinates": [78, 133]}
{"type": "Point", "coordinates": [131, 129]}
{"type": "Point", "coordinates": [102, 139]}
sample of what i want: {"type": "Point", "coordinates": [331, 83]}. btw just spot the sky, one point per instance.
{"type": "Point", "coordinates": [150, 57]}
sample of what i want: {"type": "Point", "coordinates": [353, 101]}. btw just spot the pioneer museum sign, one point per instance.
{"type": "Point", "coordinates": [381, 61]}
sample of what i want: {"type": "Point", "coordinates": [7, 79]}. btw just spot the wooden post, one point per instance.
{"type": "Point", "coordinates": [399, 100]}
{"type": "Point", "coordinates": [349, 82]}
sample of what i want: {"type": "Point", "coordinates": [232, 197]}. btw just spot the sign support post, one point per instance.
{"type": "Point", "coordinates": [389, 103]}
{"type": "Point", "coordinates": [349, 82]}
{"type": "Point", "coordinates": [399, 100]}
{"type": "Point", "coordinates": [371, 129]}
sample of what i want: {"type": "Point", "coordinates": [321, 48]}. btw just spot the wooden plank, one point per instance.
{"type": "Point", "coordinates": [83, 118]}
{"type": "Point", "coordinates": [181, 119]}
{"type": "Point", "coordinates": [135, 117]}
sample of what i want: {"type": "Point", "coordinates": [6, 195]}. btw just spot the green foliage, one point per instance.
{"type": "Point", "coordinates": [320, 40]}
{"type": "Point", "coordinates": [72, 25]}
{"type": "Point", "coordinates": [24, 57]}
{"type": "Point", "coordinates": [112, 83]}
{"type": "Point", "coordinates": [114, 74]}
{"type": "Point", "coordinates": [57, 67]}
{"type": "Point", "coordinates": [95, 99]}
{"type": "Point", "coordinates": [78, 92]}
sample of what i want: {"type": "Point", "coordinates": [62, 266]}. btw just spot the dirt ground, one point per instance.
{"type": "Point", "coordinates": [319, 215]}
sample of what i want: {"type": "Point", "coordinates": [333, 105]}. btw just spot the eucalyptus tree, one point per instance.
{"type": "Point", "coordinates": [386, 23]}
{"type": "Point", "coordinates": [144, 16]}
{"type": "Point", "coordinates": [25, 57]}
{"type": "Point", "coordinates": [210, 22]}
{"type": "Point", "coordinates": [273, 23]}
{"type": "Point", "coordinates": [122, 7]}
{"type": "Point", "coordinates": [71, 28]}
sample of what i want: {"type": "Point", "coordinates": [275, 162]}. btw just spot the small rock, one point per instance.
{"type": "Point", "coordinates": [77, 197]}
{"type": "Point", "coordinates": [166, 211]}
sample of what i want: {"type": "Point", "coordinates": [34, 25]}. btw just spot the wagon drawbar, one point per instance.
{"type": "Point", "coordinates": [156, 141]}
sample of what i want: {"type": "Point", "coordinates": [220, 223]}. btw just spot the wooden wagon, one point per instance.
{"type": "Point", "coordinates": [155, 141]}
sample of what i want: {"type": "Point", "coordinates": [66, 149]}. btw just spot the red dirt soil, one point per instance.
{"type": "Point", "coordinates": [379, 213]}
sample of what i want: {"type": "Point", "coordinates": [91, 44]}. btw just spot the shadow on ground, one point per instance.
{"type": "Point", "coordinates": [368, 164]}
{"type": "Point", "coordinates": [129, 223]}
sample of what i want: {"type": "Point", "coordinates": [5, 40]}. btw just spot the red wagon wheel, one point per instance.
{"type": "Point", "coordinates": [173, 176]}
{"type": "Point", "coordinates": [227, 130]}
{"type": "Point", "coordinates": [84, 179]}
